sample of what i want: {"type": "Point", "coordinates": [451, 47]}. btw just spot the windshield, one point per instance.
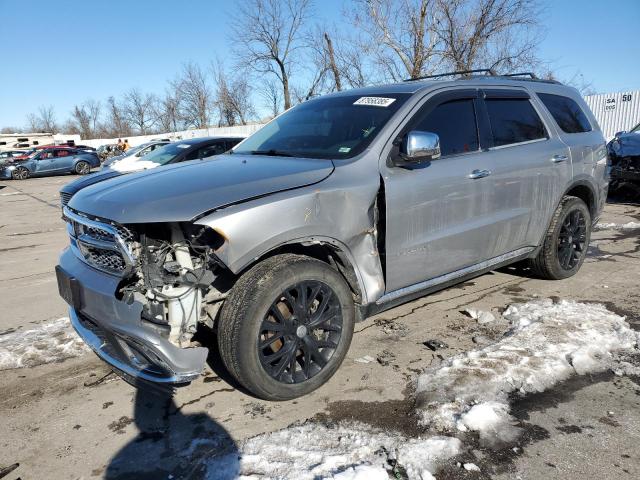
{"type": "Point", "coordinates": [330, 127]}
{"type": "Point", "coordinates": [164, 155]}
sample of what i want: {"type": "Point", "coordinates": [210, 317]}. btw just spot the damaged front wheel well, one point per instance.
{"type": "Point", "coordinates": [325, 252]}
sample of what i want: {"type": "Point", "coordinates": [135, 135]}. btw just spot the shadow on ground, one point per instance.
{"type": "Point", "coordinates": [171, 444]}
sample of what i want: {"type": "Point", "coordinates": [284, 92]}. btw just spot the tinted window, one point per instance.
{"type": "Point", "coordinates": [514, 120]}
{"type": "Point", "coordinates": [194, 155]}
{"type": "Point", "coordinates": [215, 149]}
{"type": "Point", "coordinates": [455, 124]}
{"type": "Point", "coordinates": [566, 112]}
{"type": "Point", "coordinates": [327, 127]}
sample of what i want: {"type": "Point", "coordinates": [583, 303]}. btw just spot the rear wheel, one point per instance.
{"type": "Point", "coordinates": [20, 173]}
{"type": "Point", "coordinates": [82, 168]}
{"type": "Point", "coordinates": [565, 244]}
{"type": "Point", "coordinates": [286, 326]}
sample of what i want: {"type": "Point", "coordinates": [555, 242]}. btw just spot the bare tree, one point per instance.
{"type": "Point", "coordinates": [233, 97]}
{"type": "Point", "coordinates": [11, 130]}
{"type": "Point", "coordinates": [269, 34]}
{"type": "Point", "coordinates": [401, 32]}
{"type": "Point", "coordinates": [139, 110]}
{"type": "Point", "coordinates": [331, 59]}
{"type": "Point", "coordinates": [84, 119]}
{"type": "Point", "coordinates": [117, 124]}
{"type": "Point", "coordinates": [196, 94]}
{"type": "Point", "coordinates": [167, 110]}
{"type": "Point", "coordinates": [497, 34]}
{"type": "Point", "coordinates": [44, 120]}
{"type": "Point", "coordinates": [271, 93]}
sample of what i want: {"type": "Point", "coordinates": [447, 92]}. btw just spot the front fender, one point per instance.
{"type": "Point", "coordinates": [342, 217]}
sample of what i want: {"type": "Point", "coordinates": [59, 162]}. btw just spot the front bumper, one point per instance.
{"type": "Point", "coordinates": [115, 331]}
{"type": "Point", "coordinates": [5, 171]}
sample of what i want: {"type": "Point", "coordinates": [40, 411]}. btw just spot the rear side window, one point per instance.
{"type": "Point", "coordinates": [514, 120]}
{"type": "Point", "coordinates": [566, 112]}
{"type": "Point", "coordinates": [455, 124]}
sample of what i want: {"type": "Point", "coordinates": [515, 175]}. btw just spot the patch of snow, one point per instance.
{"type": "Point", "coordinates": [471, 467]}
{"type": "Point", "coordinates": [480, 315]}
{"type": "Point", "coordinates": [617, 226]}
{"type": "Point", "coordinates": [365, 359]}
{"type": "Point", "coordinates": [49, 342]}
{"type": "Point", "coordinates": [547, 343]}
{"type": "Point", "coordinates": [347, 451]}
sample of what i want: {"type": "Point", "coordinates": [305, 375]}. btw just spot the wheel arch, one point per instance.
{"type": "Point", "coordinates": [585, 190]}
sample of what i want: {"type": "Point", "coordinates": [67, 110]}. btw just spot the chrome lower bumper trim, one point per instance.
{"type": "Point", "coordinates": [98, 346]}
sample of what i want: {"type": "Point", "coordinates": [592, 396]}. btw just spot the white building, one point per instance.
{"type": "Point", "coordinates": [615, 112]}
{"type": "Point", "coordinates": [12, 141]}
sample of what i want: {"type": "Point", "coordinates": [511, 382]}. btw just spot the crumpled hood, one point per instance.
{"type": "Point", "coordinates": [181, 192]}
{"type": "Point", "coordinates": [626, 145]}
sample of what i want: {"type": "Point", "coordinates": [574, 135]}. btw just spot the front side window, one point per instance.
{"type": "Point", "coordinates": [335, 127]}
{"type": "Point", "coordinates": [514, 120]}
{"type": "Point", "coordinates": [566, 112]}
{"type": "Point", "coordinates": [455, 123]}
{"type": "Point", "coordinates": [215, 149]}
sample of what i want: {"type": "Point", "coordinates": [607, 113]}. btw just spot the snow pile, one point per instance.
{"type": "Point", "coordinates": [480, 315]}
{"type": "Point", "coordinates": [547, 343]}
{"type": "Point", "coordinates": [617, 226]}
{"type": "Point", "coordinates": [49, 342]}
{"type": "Point", "coordinates": [348, 451]}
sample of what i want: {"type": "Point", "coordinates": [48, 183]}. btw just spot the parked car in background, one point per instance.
{"type": "Point", "coordinates": [169, 153]}
{"type": "Point", "coordinates": [136, 152]}
{"type": "Point", "coordinates": [624, 156]}
{"type": "Point", "coordinates": [51, 161]}
{"type": "Point", "coordinates": [341, 207]}
{"type": "Point", "coordinates": [107, 150]}
{"type": "Point", "coordinates": [9, 155]}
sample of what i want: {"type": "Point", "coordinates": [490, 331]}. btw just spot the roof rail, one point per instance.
{"type": "Point", "coordinates": [488, 71]}
{"type": "Point", "coordinates": [520, 74]}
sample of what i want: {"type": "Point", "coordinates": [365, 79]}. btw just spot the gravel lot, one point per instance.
{"type": "Point", "coordinates": [74, 419]}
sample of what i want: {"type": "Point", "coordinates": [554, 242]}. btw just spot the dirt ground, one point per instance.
{"type": "Point", "coordinates": [75, 419]}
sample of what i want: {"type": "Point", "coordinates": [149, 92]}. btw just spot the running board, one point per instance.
{"type": "Point", "coordinates": [448, 278]}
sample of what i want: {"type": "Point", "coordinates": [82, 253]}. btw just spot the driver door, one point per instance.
{"type": "Point", "coordinates": [45, 161]}
{"type": "Point", "coordinates": [439, 214]}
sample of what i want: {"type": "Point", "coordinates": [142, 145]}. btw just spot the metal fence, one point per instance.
{"type": "Point", "coordinates": [615, 112]}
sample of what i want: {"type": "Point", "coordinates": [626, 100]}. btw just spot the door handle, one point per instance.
{"type": "Point", "coordinates": [479, 174]}
{"type": "Point", "coordinates": [559, 158]}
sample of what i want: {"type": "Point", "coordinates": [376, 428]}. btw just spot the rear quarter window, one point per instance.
{"type": "Point", "coordinates": [566, 112]}
{"type": "Point", "coordinates": [514, 120]}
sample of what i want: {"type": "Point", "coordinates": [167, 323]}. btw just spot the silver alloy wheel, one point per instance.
{"type": "Point", "coordinates": [82, 168]}
{"type": "Point", "coordinates": [20, 173]}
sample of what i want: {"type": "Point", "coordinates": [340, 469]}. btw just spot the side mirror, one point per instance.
{"type": "Point", "coordinates": [417, 147]}
{"type": "Point", "coordinates": [619, 133]}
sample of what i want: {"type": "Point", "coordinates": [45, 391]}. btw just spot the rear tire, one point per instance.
{"type": "Point", "coordinates": [565, 244]}
{"type": "Point", "coordinates": [286, 326]}
{"type": "Point", "coordinates": [82, 168]}
{"type": "Point", "coordinates": [20, 173]}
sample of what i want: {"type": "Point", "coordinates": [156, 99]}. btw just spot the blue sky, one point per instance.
{"type": "Point", "coordinates": [63, 52]}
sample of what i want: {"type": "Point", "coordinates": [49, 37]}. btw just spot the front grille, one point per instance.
{"type": "Point", "coordinates": [103, 259]}
{"type": "Point", "coordinates": [64, 198]}
{"type": "Point", "coordinates": [103, 245]}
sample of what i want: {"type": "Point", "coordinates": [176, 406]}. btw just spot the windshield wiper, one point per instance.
{"type": "Point", "coordinates": [272, 153]}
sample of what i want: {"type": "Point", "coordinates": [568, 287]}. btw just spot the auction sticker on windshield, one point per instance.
{"type": "Point", "coordinates": [374, 101]}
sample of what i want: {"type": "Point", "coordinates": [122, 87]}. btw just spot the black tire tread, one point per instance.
{"type": "Point", "coordinates": [541, 265]}
{"type": "Point", "coordinates": [239, 301]}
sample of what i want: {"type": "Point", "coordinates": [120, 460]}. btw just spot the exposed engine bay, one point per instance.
{"type": "Point", "coordinates": [174, 278]}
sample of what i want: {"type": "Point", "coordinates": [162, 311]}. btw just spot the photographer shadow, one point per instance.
{"type": "Point", "coordinates": [171, 444]}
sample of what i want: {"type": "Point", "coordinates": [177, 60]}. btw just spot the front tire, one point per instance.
{"type": "Point", "coordinates": [565, 244]}
{"type": "Point", "coordinates": [286, 326]}
{"type": "Point", "coordinates": [20, 173]}
{"type": "Point", "coordinates": [82, 168]}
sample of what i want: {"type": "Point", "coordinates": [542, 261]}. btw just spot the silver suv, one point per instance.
{"type": "Point", "coordinates": [344, 206]}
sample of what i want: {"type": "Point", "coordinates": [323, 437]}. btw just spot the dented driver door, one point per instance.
{"type": "Point", "coordinates": [439, 214]}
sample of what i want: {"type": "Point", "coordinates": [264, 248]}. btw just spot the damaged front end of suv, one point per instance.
{"type": "Point", "coordinates": [160, 285]}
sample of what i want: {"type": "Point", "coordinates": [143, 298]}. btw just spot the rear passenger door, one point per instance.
{"type": "Point", "coordinates": [529, 166]}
